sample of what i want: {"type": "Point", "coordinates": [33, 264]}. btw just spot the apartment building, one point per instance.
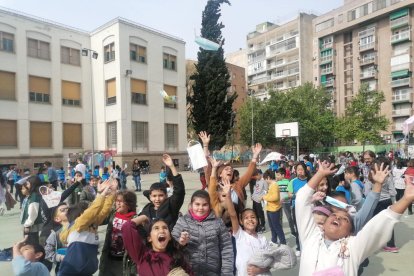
{"type": "Point", "coordinates": [237, 85]}
{"type": "Point", "coordinates": [367, 42]}
{"type": "Point", "coordinates": [65, 90]}
{"type": "Point", "coordinates": [278, 55]}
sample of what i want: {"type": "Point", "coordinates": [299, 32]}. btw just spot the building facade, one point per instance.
{"type": "Point", "coordinates": [367, 42]}
{"type": "Point", "coordinates": [68, 91]}
{"type": "Point", "coordinates": [278, 56]}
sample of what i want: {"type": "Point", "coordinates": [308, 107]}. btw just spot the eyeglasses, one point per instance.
{"type": "Point", "coordinates": [340, 218]}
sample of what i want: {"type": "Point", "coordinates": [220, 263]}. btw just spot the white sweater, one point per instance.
{"type": "Point", "coordinates": [317, 256]}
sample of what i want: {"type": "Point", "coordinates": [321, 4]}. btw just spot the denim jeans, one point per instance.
{"type": "Point", "coordinates": [275, 226]}
{"type": "Point", "coordinates": [137, 180]}
{"type": "Point", "coordinates": [287, 209]}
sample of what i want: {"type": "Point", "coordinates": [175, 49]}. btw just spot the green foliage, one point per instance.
{"type": "Point", "coordinates": [362, 120]}
{"type": "Point", "coordinates": [210, 104]}
{"type": "Point", "coordinates": [305, 104]}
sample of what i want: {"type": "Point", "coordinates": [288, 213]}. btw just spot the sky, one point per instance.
{"type": "Point", "coordinates": [181, 18]}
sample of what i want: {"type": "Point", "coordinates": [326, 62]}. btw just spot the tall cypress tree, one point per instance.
{"type": "Point", "coordinates": [210, 104]}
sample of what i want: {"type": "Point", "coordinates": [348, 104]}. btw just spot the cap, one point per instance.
{"type": "Point", "coordinates": [409, 170]}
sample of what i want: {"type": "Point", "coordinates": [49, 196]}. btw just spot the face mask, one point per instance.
{"type": "Point", "coordinates": [336, 203]}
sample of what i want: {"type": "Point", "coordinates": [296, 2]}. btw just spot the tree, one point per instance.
{"type": "Point", "coordinates": [306, 104]}
{"type": "Point", "coordinates": [210, 104]}
{"type": "Point", "coordinates": [362, 120]}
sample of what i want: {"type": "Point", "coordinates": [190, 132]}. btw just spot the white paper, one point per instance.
{"type": "Point", "coordinates": [197, 157]}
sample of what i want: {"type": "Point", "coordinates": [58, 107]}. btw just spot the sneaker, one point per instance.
{"type": "Point", "coordinates": [391, 249]}
{"type": "Point", "coordinates": [297, 253]}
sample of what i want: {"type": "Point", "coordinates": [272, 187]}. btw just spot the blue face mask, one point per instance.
{"type": "Point", "coordinates": [336, 203]}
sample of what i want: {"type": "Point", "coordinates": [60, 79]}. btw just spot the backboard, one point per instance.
{"type": "Point", "coordinates": [287, 130]}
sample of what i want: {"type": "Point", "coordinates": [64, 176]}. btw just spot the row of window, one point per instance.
{"type": "Point", "coordinates": [39, 90]}
{"type": "Point", "coordinates": [41, 49]}
{"type": "Point", "coordinates": [41, 135]}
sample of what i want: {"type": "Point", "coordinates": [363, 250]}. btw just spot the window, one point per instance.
{"type": "Point", "coordinates": [71, 93]}
{"type": "Point", "coordinates": [172, 93]}
{"type": "Point", "coordinates": [72, 135]}
{"type": "Point", "coordinates": [139, 136]}
{"type": "Point", "coordinates": [111, 133]}
{"type": "Point", "coordinates": [109, 51]}
{"type": "Point", "coordinates": [324, 25]}
{"type": "Point", "coordinates": [70, 56]}
{"type": "Point", "coordinates": [38, 49]}
{"type": "Point", "coordinates": [138, 53]}
{"type": "Point", "coordinates": [8, 139]}
{"type": "Point", "coordinates": [138, 91]}
{"type": "Point", "coordinates": [110, 91]}
{"type": "Point", "coordinates": [171, 137]}
{"type": "Point", "coordinates": [8, 86]}
{"type": "Point", "coordinates": [351, 15]}
{"type": "Point", "coordinates": [39, 89]}
{"type": "Point", "coordinates": [170, 62]}
{"type": "Point", "coordinates": [40, 134]}
{"type": "Point", "coordinates": [6, 42]}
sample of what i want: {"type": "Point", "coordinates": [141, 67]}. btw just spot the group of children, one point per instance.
{"type": "Point", "coordinates": [218, 235]}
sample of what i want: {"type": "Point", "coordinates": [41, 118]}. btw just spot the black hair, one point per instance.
{"type": "Point", "coordinates": [304, 167]}
{"type": "Point", "coordinates": [335, 194]}
{"type": "Point", "coordinates": [47, 163]}
{"type": "Point", "coordinates": [105, 169]}
{"type": "Point", "coordinates": [269, 174]}
{"type": "Point", "coordinates": [38, 248]}
{"type": "Point", "coordinates": [246, 210]}
{"type": "Point", "coordinates": [200, 194]}
{"type": "Point", "coordinates": [158, 186]}
{"type": "Point", "coordinates": [174, 249]}
{"type": "Point", "coordinates": [370, 153]}
{"type": "Point", "coordinates": [281, 171]}
{"type": "Point", "coordinates": [353, 170]}
{"type": "Point", "coordinates": [130, 199]}
{"type": "Point", "coordinates": [76, 210]}
{"type": "Point", "coordinates": [35, 183]}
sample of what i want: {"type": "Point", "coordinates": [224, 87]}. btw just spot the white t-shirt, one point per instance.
{"type": "Point", "coordinates": [246, 246]}
{"type": "Point", "coordinates": [81, 168]}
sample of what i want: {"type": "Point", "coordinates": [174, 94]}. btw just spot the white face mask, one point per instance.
{"type": "Point", "coordinates": [349, 208]}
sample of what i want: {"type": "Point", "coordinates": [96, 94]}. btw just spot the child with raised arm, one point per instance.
{"type": "Point", "coordinates": [334, 250]}
{"type": "Point", "coordinates": [207, 241]}
{"type": "Point", "coordinates": [248, 242]}
{"type": "Point", "coordinates": [27, 259]}
{"type": "Point", "coordinates": [81, 235]}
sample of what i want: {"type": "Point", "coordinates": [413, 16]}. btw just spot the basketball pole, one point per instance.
{"type": "Point", "coordinates": [297, 148]}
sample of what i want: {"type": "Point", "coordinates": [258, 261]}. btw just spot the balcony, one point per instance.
{"type": "Point", "coordinates": [326, 71]}
{"type": "Point", "coordinates": [367, 32]}
{"type": "Point", "coordinates": [368, 74]}
{"type": "Point", "coordinates": [259, 80]}
{"type": "Point", "coordinates": [293, 71]}
{"type": "Point", "coordinates": [397, 127]}
{"type": "Point", "coordinates": [367, 46]}
{"type": "Point", "coordinates": [325, 46]}
{"type": "Point", "coordinates": [401, 112]}
{"type": "Point", "coordinates": [257, 48]}
{"type": "Point", "coordinates": [401, 82]}
{"type": "Point", "coordinates": [400, 37]}
{"type": "Point", "coordinates": [328, 83]}
{"type": "Point", "coordinates": [367, 60]}
{"type": "Point", "coordinates": [403, 95]}
{"type": "Point", "coordinates": [256, 58]}
{"type": "Point", "coordinates": [278, 75]}
{"type": "Point", "coordinates": [399, 22]}
{"type": "Point", "coordinates": [326, 59]}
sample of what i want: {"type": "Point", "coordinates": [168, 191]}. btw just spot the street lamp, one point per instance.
{"type": "Point", "coordinates": [251, 92]}
{"type": "Point", "coordinates": [92, 55]}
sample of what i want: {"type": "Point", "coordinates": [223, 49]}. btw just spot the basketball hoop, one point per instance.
{"type": "Point", "coordinates": [285, 133]}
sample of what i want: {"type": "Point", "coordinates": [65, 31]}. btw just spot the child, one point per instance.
{"type": "Point", "coordinates": [27, 259]}
{"type": "Point", "coordinates": [247, 240]}
{"type": "Point", "coordinates": [273, 208]}
{"type": "Point", "coordinates": [88, 192]}
{"type": "Point", "coordinates": [283, 183]}
{"type": "Point", "coordinates": [161, 255]}
{"type": "Point", "coordinates": [105, 174]}
{"type": "Point", "coordinates": [320, 214]}
{"type": "Point", "coordinates": [259, 190]}
{"type": "Point", "coordinates": [53, 243]}
{"type": "Point", "coordinates": [30, 217]}
{"type": "Point", "coordinates": [294, 186]}
{"type": "Point", "coordinates": [81, 236]}
{"type": "Point", "coordinates": [163, 175]}
{"type": "Point", "coordinates": [345, 252]}
{"type": "Point", "coordinates": [345, 188]}
{"type": "Point", "coordinates": [61, 178]}
{"type": "Point", "coordinates": [357, 188]}
{"type": "Point", "coordinates": [207, 239]}
{"type": "Point", "coordinates": [113, 248]}
{"type": "Point", "coordinates": [162, 206]}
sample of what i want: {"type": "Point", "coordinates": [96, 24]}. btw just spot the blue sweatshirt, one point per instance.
{"type": "Point", "coordinates": [23, 267]}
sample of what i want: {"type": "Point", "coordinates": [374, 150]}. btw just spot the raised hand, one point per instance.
{"type": "Point", "coordinates": [142, 219]}
{"type": "Point", "coordinates": [205, 138]}
{"type": "Point", "coordinates": [167, 160]}
{"type": "Point", "coordinates": [326, 168]}
{"type": "Point", "coordinates": [256, 149]}
{"type": "Point", "coordinates": [318, 196]}
{"type": "Point", "coordinates": [215, 163]}
{"type": "Point", "coordinates": [102, 186]}
{"type": "Point", "coordinates": [226, 186]}
{"type": "Point", "coordinates": [184, 238]}
{"type": "Point", "coordinates": [378, 174]}
{"type": "Point", "coordinates": [113, 185]}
